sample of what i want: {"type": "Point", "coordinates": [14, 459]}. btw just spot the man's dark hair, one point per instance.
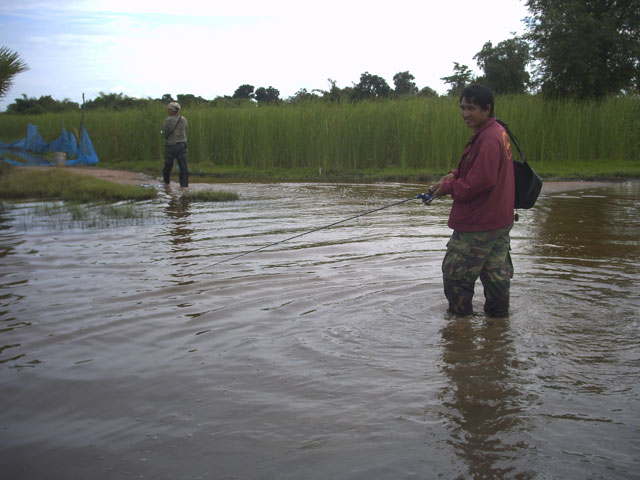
{"type": "Point", "coordinates": [480, 95]}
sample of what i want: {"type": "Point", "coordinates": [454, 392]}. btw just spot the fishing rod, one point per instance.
{"type": "Point", "coordinates": [426, 198]}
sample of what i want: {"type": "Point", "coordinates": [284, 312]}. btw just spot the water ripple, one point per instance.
{"type": "Point", "coordinates": [128, 349]}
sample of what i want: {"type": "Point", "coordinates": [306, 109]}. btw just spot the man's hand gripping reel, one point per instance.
{"type": "Point", "coordinates": [427, 197]}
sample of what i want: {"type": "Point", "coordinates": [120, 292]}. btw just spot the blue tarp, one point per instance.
{"type": "Point", "coordinates": [31, 148]}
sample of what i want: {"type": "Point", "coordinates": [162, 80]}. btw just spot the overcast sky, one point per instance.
{"type": "Point", "coordinates": [146, 48]}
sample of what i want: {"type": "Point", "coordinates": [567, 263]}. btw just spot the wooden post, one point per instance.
{"type": "Point", "coordinates": [81, 125]}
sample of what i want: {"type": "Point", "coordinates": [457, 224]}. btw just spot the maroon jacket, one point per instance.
{"type": "Point", "coordinates": [483, 190]}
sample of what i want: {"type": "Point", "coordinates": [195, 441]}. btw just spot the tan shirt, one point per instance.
{"type": "Point", "coordinates": [174, 133]}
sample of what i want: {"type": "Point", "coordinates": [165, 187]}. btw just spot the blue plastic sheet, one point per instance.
{"type": "Point", "coordinates": [29, 151]}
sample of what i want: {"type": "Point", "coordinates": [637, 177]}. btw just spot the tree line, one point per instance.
{"type": "Point", "coordinates": [370, 87]}
{"type": "Point", "coordinates": [573, 49]}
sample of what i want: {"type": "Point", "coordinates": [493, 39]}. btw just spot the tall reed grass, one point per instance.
{"type": "Point", "coordinates": [399, 135]}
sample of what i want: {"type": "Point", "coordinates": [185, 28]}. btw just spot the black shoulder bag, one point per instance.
{"type": "Point", "coordinates": [528, 182]}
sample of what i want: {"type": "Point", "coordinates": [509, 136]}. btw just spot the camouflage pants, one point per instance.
{"type": "Point", "coordinates": [478, 254]}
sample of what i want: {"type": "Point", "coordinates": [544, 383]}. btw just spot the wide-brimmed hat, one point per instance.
{"type": "Point", "coordinates": [174, 106]}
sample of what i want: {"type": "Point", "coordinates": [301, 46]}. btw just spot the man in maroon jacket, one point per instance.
{"type": "Point", "coordinates": [482, 188]}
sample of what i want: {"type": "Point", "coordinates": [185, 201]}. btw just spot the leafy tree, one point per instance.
{"type": "Point", "coordinates": [404, 83]}
{"type": "Point", "coordinates": [189, 100]}
{"type": "Point", "coordinates": [586, 49]}
{"type": "Point", "coordinates": [231, 102]}
{"type": "Point", "coordinates": [461, 77]}
{"type": "Point", "coordinates": [167, 98]}
{"type": "Point", "coordinates": [10, 66]}
{"type": "Point", "coordinates": [267, 95]}
{"type": "Point", "coordinates": [335, 93]}
{"type": "Point", "coordinates": [371, 86]}
{"type": "Point", "coordinates": [114, 101]}
{"type": "Point", "coordinates": [244, 91]}
{"type": "Point", "coordinates": [427, 92]}
{"type": "Point", "coordinates": [303, 95]}
{"type": "Point", "coordinates": [505, 66]}
{"type": "Point", "coordinates": [44, 104]}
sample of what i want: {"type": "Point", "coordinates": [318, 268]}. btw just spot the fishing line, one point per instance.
{"type": "Point", "coordinates": [426, 198]}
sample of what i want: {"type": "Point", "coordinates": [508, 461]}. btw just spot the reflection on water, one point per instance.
{"type": "Point", "coordinates": [483, 404]}
{"type": "Point", "coordinates": [126, 352]}
{"type": "Point", "coordinates": [180, 230]}
{"type": "Point", "coordinates": [591, 227]}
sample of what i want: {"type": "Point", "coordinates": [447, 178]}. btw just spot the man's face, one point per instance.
{"type": "Point", "coordinates": [473, 115]}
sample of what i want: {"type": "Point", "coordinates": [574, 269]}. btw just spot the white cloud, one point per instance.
{"type": "Point", "coordinates": [148, 48]}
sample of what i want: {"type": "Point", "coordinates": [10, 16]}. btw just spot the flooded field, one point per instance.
{"type": "Point", "coordinates": [128, 351]}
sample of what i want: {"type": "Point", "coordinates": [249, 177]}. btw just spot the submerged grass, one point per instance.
{"type": "Point", "coordinates": [60, 215]}
{"type": "Point", "coordinates": [90, 214]}
{"type": "Point", "coordinates": [210, 196]}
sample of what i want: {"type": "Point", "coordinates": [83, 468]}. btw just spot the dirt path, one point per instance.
{"type": "Point", "coordinates": [116, 176]}
{"type": "Point", "coordinates": [557, 187]}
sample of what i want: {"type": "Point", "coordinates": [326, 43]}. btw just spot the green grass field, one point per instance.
{"type": "Point", "coordinates": [391, 140]}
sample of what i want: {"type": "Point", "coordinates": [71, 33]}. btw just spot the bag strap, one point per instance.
{"type": "Point", "coordinates": [174, 127]}
{"type": "Point", "coordinates": [513, 139]}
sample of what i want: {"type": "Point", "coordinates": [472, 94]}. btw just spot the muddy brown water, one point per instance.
{"type": "Point", "coordinates": [125, 354]}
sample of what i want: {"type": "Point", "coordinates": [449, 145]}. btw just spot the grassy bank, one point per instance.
{"type": "Point", "coordinates": [58, 184]}
{"type": "Point", "coordinates": [395, 140]}
{"type": "Point", "coordinates": [52, 183]}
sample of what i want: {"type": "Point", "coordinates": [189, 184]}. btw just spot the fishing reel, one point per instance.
{"type": "Point", "coordinates": [427, 197]}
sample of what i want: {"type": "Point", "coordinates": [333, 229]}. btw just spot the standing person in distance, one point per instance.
{"type": "Point", "coordinates": [482, 188]}
{"type": "Point", "coordinates": [174, 130]}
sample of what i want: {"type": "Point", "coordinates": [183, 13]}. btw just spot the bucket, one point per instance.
{"type": "Point", "coordinates": [61, 159]}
